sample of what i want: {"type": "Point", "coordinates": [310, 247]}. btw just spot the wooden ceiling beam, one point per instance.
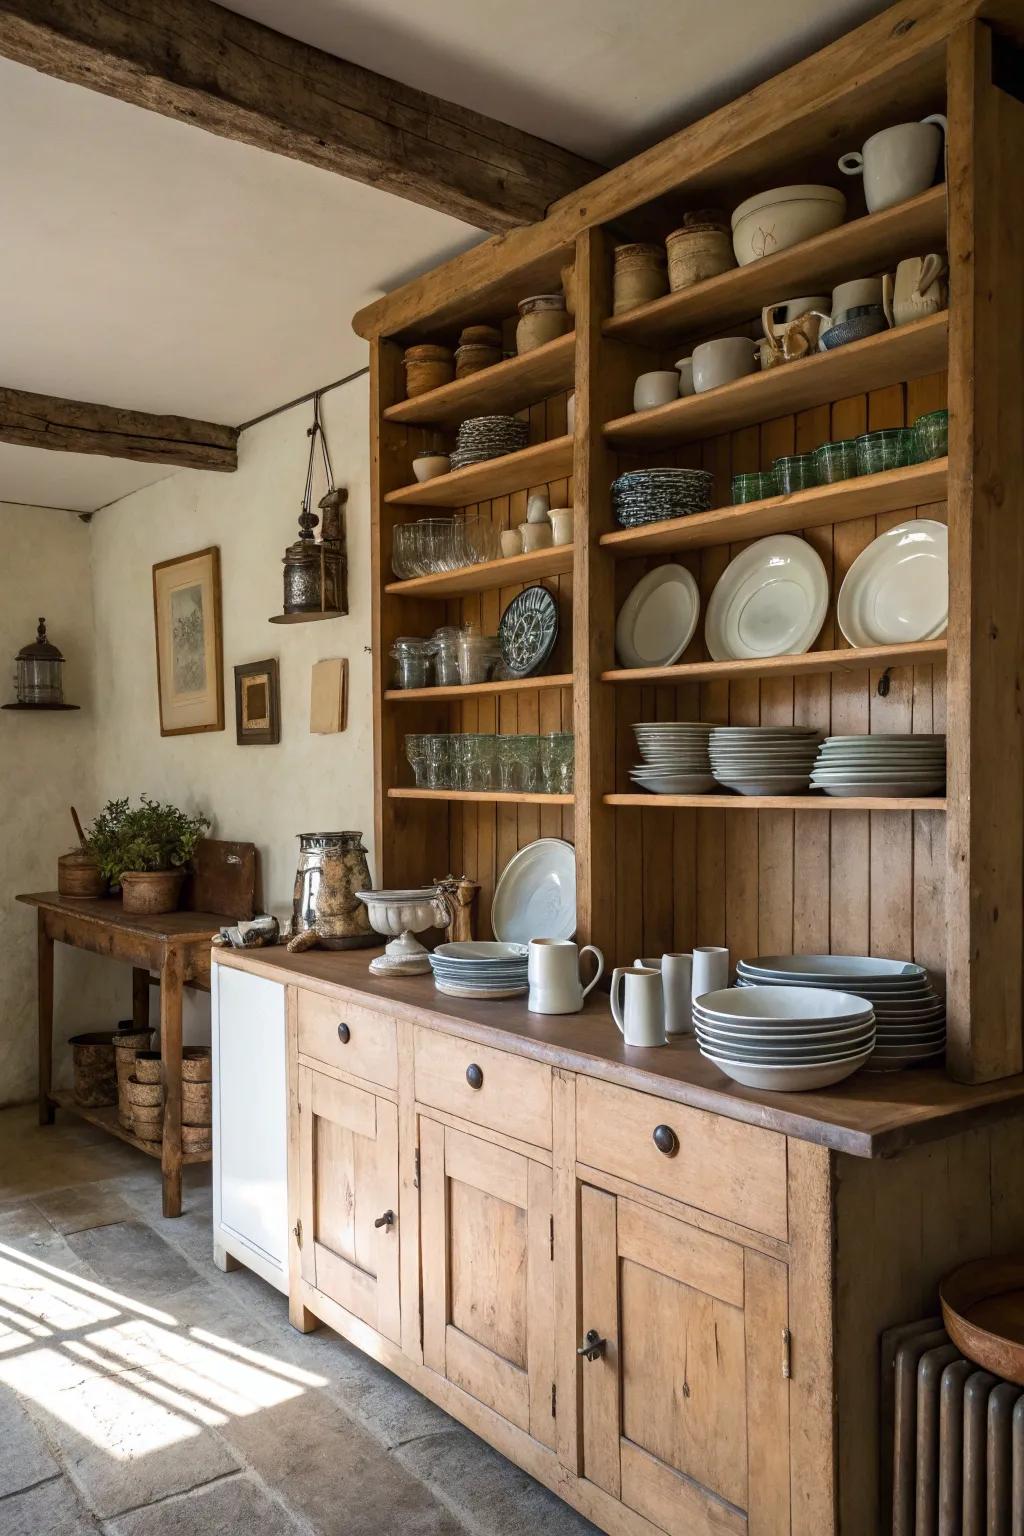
{"type": "Point", "coordinates": [203, 65]}
{"type": "Point", "coordinates": [73, 426]}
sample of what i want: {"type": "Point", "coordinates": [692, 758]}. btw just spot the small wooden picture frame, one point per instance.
{"type": "Point", "coordinates": [189, 657]}
{"type": "Point", "coordinates": [257, 704]}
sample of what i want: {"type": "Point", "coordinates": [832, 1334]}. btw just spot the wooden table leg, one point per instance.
{"type": "Point", "coordinates": [170, 1051]}
{"type": "Point", "coordinates": [45, 957]}
{"type": "Point", "coordinates": [140, 996]}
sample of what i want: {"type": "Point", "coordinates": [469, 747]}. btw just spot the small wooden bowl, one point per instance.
{"type": "Point", "coordinates": [983, 1310]}
{"type": "Point", "coordinates": [196, 1138]}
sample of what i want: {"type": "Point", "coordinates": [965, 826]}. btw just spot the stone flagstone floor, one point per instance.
{"type": "Point", "coordinates": [145, 1393]}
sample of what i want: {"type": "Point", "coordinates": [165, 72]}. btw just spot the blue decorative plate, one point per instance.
{"type": "Point", "coordinates": [528, 631]}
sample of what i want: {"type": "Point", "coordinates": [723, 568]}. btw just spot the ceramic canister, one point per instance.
{"type": "Point", "coordinates": [553, 970]}
{"type": "Point", "coordinates": [676, 978]}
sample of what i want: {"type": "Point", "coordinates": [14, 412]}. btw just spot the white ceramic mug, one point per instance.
{"type": "Point", "coordinates": [854, 294]}
{"type": "Point", "coordinates": [916, 290]}
{"type": "Point", "coordinates": [640, 1015]}
{"type": "Point", "coordinates": [553, 971]}
{"type": "Point", "coordinates": [511, 542]}
{"type": "Point", "coordinates": [720, 362]}
{"type": "Point", "coordinates": [710, 970]}
{"type": "Point", "coordinates": [898, 162]}
{"type": "Point", "coordinates": [676, 980]}
{"type": "Point", "coordinates": [535, 536]}
{"type": "Point", "coordinates": [561, 525]}
{"type": "Point", "coordinates": [653, 389]}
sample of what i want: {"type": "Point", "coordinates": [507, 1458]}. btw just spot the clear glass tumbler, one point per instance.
{"type": "Point", "coordinates": [556, 762]}
{"type": "Point", "coordinates": [416, 756]}
{"type": "Point", "coordinates": [519, 763]}
{"type": "Point", "coordinates": [440, 770]}
{"type": "Point", "coordinates": [475, 757]}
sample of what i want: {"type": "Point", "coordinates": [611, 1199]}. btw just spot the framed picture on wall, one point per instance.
{"type": "Point", "coordinates": [257, 704]}
{"type": "Point", "coordinates": [189, 659]}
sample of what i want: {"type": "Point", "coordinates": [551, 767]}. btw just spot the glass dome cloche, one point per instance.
{"type": "Point", "coordinates": [37, 680]}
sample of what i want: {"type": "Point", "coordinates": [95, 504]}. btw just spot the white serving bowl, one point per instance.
{"type": "Point", "coordinates": [784, 216]}
{"type": "Point", "coordinates": [721, 362]}
{"type": "Point", "coordinates": [430, 466]}
{"type": "Point", "coordinates": [788, 1079]}
{"type": "Point", "coordinates": [786, 1003]}
{"type": "Point", "coordinates": [820, 970]}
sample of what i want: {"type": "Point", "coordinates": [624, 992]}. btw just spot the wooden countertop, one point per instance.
{"type": "Point", "coordinates": [166, 927]}
{"type": "Point", "coordinates": [870, 1115]}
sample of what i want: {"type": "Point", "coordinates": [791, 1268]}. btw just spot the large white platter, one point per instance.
{"type": "Point", "coordinates": [898, 588]}
{"type": "Point", "coordinates": [770, 601]}
{"type": "Point", "coordinates": [535, 897]}
{"type": "Point", "coordinates": [657, 621]}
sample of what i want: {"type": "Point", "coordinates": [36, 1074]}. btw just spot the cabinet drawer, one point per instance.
{"type": "Point", "coordinates": [732, 1170]}
{"type": "Point", "coordinates": [344, 1035]}
{"type": "Point", "coordinates": [514, 1093]}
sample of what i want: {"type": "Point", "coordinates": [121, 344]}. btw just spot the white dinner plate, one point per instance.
{"type": "Point", "coordinates": [770, 601]}
{"type": "Point", "coordinates": [658, 618]}
{"type": "Point", "coordinates": [535, 897]}
{"type": "Point", "coordinates": [898, 588]}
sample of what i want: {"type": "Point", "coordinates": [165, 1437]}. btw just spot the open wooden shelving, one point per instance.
{"type": "Point", "coordinates": [864, 496]}
{"type": "Point", "coordinates": [862, 245]}
{"type": "Point", "coordinates": [508, 572]}
{"type": "Point", "coordinates": [496, 796]}
{"type": "Point", "coordinates": [105, 1116]}
{"type": "Point", "coordinates": [540, 462]}
{"type": "Point", "coordinates": [809, 802]}
{"type": "Point", "coordinates": [505, 388]}
{"type": "Point", "coordinates": [891, 357]}
{"type": "Point", "coordinates": [477, 690]}
{"type": "Point", "coordinates": [924, 653]}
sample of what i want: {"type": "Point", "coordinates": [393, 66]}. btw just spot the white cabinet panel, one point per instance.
{"type": "Point", "coordinates": [250, 1133]}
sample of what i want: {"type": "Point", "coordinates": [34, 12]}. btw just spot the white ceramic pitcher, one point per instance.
{"type": "Point", "coordinates": [553, 971]}
{"type": "Point", "coordinates": [899, 162]}
{"type": "Point", "coordinates": [640, 1015]}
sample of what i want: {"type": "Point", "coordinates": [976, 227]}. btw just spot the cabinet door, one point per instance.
{"type": "Point", "coordinates": [485, 1232]}
{"type": "Point", "coordinates": [686, 1403]}
{"type": "Point", "coordinates": [348, 1141]}
{"type": "Point", "coordinates": [250, 1097]}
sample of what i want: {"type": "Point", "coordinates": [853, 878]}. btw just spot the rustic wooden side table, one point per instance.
{"type": "Point", "coordinates": [174, 944]}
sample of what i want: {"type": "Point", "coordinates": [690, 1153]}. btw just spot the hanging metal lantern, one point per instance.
{"type": "Point", "coordinates": [38, 677]}
{"type": "Point", "coordinates": [316, 571]}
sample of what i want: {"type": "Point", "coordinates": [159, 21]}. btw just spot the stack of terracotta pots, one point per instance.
{"type": "Point", "coordinates": [427, 367]}
{"type": "Point", "coordinates": [196, 1099]}
{"type": "Point", "coordinates": [479, 347]}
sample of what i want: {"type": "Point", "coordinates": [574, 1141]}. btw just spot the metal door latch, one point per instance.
{"type": "Point", "coordinates": [593, 1346]}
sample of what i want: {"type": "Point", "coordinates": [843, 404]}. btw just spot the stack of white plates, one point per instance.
{"type": "Point", "coordinates": [764, 760]}
{"type": "Point", "coordinates": [479, 968]}
{"type": "Point", "coordinates": [910, 1016]}
{"type": "Point", "coordinates": [889, 766]}
{"type": "Point", "coordinates": [675, 757]}
{"type": "Point", "coordinates": [789, 1038]}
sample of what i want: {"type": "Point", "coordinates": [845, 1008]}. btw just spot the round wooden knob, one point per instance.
{"type": "Point", "coordinates": [474, 1075]}
{"type": "Point", "coordinates": [666, 1140]}
{"type": "Point", "coordinates": [344, 1034]}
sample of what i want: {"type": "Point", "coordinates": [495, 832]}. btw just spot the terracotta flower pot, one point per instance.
{"type": "Point", "coordinates": [151, 890]}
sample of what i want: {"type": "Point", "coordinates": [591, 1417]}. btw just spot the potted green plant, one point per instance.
{"type": "Point", "coordinates": [145, 849]}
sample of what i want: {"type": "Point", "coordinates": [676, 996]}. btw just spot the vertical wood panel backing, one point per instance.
{"type": "Point", "coordinates": [986, 632]}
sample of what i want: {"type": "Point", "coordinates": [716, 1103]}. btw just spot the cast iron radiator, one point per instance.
{"type": "Point", "coordinates": [958, 1440]}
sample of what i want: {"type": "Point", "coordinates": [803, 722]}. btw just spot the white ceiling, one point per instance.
{"type": "Point", "coordinates": [150, 265]}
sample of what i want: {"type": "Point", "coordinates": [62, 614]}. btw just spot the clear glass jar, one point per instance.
{"type": "Point", "coordinates": [446, 657]}
{"type": "Point", "coordinates": [477, 655]}
{"type": "Point", "coordinates": [414, 662]}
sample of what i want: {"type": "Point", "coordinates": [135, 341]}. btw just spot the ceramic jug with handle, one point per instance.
{"type": "Point", "coordinates": [918, 289]}
{"type": "Point", "coordinates": [899, 162]}
{"type": "Point", "coordinates": [638, 1006]}
{"type": "Point", "coordinates": [553, 971]}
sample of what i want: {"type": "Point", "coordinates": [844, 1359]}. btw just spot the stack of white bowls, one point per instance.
{"type": "Point", "coordinates": [675, 757]}
{"type": "Point", "coordinates": [910, 1015]}
{"type": "Point", "coordinates": [764, 760]}
{"type": "Point", "coordinates": [890, 766]}
{"type": "Point", "coordinates": [787, 1038]}
{"type": "Point", "coordinates": [480, 968]}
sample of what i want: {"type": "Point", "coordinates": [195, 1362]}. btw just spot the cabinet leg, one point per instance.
{"type": "Point", "coordinates": [224, 1260]}
{"type": "Point", "coordinates": [301, 1318]}
{"type": "Point", "coordinates": [170, 1052]}
{"type": "Point", "coordinates": [45, 965]}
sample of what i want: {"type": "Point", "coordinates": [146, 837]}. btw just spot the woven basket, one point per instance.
{"type": "Point", "coordinates": [148, 1123]}
{"type": "Point", "coordinates": [151, 890]}
{"type": "Point", "coordinates": [95, 1079]}
{"type": "Point", "coordinates": [196, 1103]}
{"type": "Point", "coordinates": [196, 1138]}
{"type": "Point", "coordinates": [79, 875]}
{"type": "Point", "coordinates": [196, 1064]}
{"type": "Point", "coordinates": [147, 1066]}
{"type": "Point", "coordinates": [143, 1095]}
{"type": "Point", "coordinates": [427, 367]}
{"type": "Point", "coordinates": [473, 357]}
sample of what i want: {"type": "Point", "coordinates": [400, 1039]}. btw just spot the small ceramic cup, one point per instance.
{"type": "Point", "coordinates": [721, 362]}
{"type": "Point", "coordinates": [654, 389]}
{"type": "Point", "coordinates": [676, 982]}
{"type": "Point", "coordinates": [430, 466]}
{"type": "Point", "coordinates": [511, 542]}
{"type": "Point", "coordinates": [535, 536]}
{"type": "Point", "coordinates": [561, 525]}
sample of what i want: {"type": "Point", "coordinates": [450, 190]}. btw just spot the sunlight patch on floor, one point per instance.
{"type": "Point", "coordinates": [127, 1377]}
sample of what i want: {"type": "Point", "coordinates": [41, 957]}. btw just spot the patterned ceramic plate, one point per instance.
{"type": "Point", "coordinates": [528, 631]}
